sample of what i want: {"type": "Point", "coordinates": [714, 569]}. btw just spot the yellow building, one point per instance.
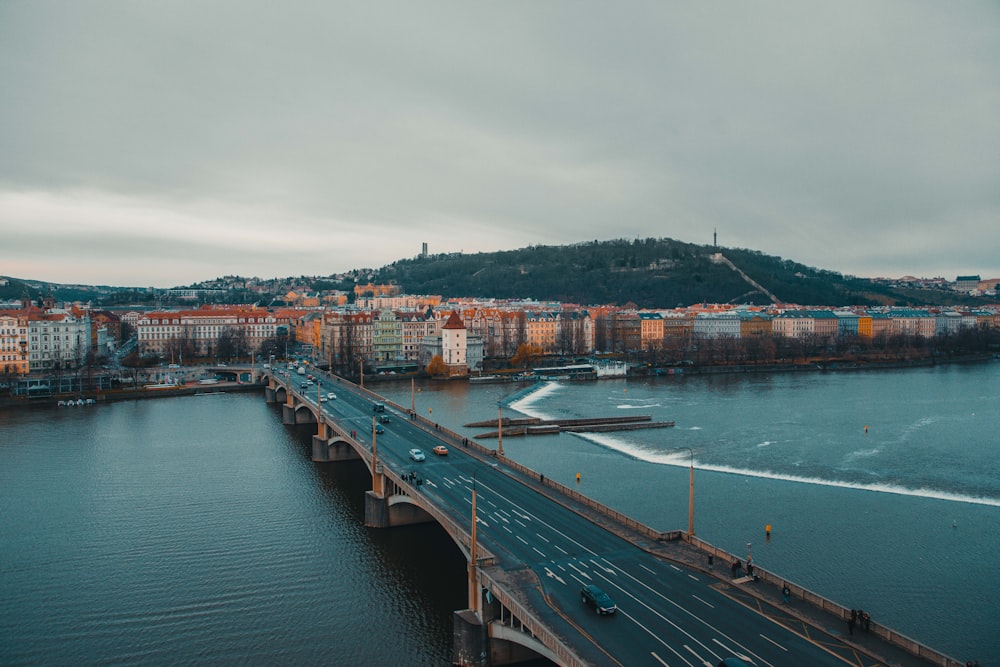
{"type": "Point", "coordinates": [13, 342]}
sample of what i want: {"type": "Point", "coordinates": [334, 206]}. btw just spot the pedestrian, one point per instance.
{"type": "Point", "coordinates": [852, 619]}
{"type": "Point", "coordinates": [785, 592]}
{"type": "Point", "coordinates": [750, 569]}
{"type": "Point", "coordinates": [867, 619]}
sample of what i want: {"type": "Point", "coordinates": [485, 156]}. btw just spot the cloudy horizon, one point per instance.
{"type": "Point", "coordinates": [161, 144]}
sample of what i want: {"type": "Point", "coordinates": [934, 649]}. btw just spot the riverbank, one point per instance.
{"type": "Point", "coordinates": [96, 398]}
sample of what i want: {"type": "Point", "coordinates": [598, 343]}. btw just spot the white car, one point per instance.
{"type": "Point", "coordinates": [332, 396]}
{"type": "Point", "coordinates": [417, 455]}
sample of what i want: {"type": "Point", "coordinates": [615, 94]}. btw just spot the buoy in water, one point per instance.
{"type": "Point", "coordinates": [767, 530]}
{"type": "Point", "coordinates": [577, 478]}
{"type": "Point", "coordinates": [866, 428]}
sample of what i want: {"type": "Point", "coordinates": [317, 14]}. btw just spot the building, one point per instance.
{"type": "Point", "coordinates": [58, 339]}
{"type": "Point", "coordinates": [14, 342]}
{"type": "Point", "coordinates": [966, 283]}
{"type": "Point", "coordinates": [198, 333]}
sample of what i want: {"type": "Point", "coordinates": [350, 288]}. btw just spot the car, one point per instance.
{"type": "Point", "coordinates": [309, 383]}
{"type": "Point", "coordinates": [303, 386]}
{"type": "Point", "coordinates": [440, 450]}
{"type": "Point", "coordinates": [594, 597]}
{"type": "Point", "coordinates": [385, 419]}
{"type": "Point", "coordinates": [379, 429]}
{"type": "Point", "coordinates": [332, 396]}
{"type": "Point", "coordinates": [417, 455]}
{"type": "Point", "coordinates": [323, 399]}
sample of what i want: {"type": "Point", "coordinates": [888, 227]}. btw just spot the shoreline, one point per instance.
{"type": "Point", "coordinates": [128, 395]}
{"type": "Point", "coordinates": [636, 372]}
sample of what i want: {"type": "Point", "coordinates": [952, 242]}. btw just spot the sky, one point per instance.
{"type": "Point", "coordinates": [166, 143]}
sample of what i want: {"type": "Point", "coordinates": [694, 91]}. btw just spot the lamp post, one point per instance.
{"type": "Point", "coordinates": [690, 493]}
{"type": "Point", "coordinates": [474, 598]}
{"type": "Point", "coordinates": [499, 429]}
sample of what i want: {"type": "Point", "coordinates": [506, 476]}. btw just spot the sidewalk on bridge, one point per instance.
{"type": "Point", "coordinates": [770, 602]}
{"type": "Point", "coordinates": [764, 596]}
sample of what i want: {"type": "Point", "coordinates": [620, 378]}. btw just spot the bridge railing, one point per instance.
{"type": "Point", "coordinates": [537, 629]}
{"type": "Point", "coordinates": [829, 606]}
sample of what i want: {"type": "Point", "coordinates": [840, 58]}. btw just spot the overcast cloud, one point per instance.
{"type": "Point", "coordinates": [163, 143]}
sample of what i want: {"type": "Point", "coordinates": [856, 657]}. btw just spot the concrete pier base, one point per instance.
{"type": "Point", "coordinates": [269, 395]}
{"type": "Point", "coordinates": [376, 511]}
{"type": "Point", "coordinates": [287, 414]}
{"type": "Point", "coordinates": [470, 646]}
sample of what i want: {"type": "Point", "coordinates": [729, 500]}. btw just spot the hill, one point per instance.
{"type": "Point", "coordinates": [651, 273]}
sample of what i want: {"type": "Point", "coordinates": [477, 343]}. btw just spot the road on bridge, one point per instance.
{"type": "Point", "coordinates": [667, 614]}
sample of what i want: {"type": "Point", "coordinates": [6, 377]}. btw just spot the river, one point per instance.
{"type": "Point", "coordinates": [196, 530]}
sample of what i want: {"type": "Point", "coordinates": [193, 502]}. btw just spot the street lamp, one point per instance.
{"type": "Point", "coordinates": [690, 493]}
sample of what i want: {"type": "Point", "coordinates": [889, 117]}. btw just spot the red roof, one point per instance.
{"type": "Point", "coordinates": [454, 322]}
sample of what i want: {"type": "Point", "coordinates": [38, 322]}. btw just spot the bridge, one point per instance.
{"type": "Point", "coordinates": [531, 544]}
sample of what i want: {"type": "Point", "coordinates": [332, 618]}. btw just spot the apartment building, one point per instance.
{"type": "Point", "coordinates": [198, 332]}
{"type": "Point", "coordinates": [14, 342]}
{"type": "Point", "coordinates": [57, 339]}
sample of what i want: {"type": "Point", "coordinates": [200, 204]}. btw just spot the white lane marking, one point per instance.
{"type": "Point", "coordinates": [675, 626]}
{"type": "Point", "coordinates": [700, 659]}
{"type": "Point", "coordinates": [578, 570]}
{"type": "Point", "coordinates": [688, 612]}
{"type": "Point", "coordinates": [430, 483]}
{"type": "Point", "coordinates": [693, 577]}
{"type": "Point", "coordinates": [657, 638]}
{"type": "Point", "coordinates": [704, 602]}
{"type": "Point", "coordinates": [539, 552]}
{"type": "Point", "coordinates": [507, 529]}
{"type": "Point", "coordinates": [521, 538]}
{"type": "Point", "coordinates": [520, 523]}
{"type": "Point", "coordinates": [600, 566]}
{"type": "Point", "coordinates": [647, 569]}
{"type": "Point", "coordinates": [547, 525]}
{"type": "Point", "coordinates": [542, 537]}
{"type": "Point", "coordinates": [742, 656]}
{"type": "Point", "coordinates": [492, 504]}
{"type": "Point", "coordinates": [555, 576]}
{"type": "Point", "coordinates": [479, 519]}
{"type": "Point", "coordinates": [561, 549]}
{"type": "Point", "coordinates": [468, 500]}
{"type": "Point", "coordinates": [674, 566]}
{"type": "Point", "coordinates": [659, 659]}
{"type": "Point", "coordinates": [765, 637]}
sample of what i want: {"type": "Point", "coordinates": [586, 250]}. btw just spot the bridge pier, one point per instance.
{"type": "Point", "coordinates": [376, 510]}
{"type": "Point", "coordinates": [269, 396]}
{"type": "Point", "coordinates": [469, 647]}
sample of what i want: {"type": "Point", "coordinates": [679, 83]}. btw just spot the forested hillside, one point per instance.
{"type": "Point", "coordinates": [651, 273]}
